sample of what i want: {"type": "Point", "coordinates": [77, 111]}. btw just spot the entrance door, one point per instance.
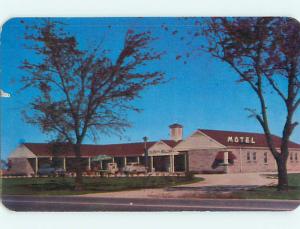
{"type": "Point", "coordinates": [161, 163]}
{"type": "Point", "coordinates": [179, 163]}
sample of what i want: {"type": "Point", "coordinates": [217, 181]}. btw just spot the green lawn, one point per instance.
{"type": "Point", "coordinates": [271, 192]}
{"type": "Point", "coordinates": [65, 186]}
{"type": "Point", "coordinates": [265, 192]}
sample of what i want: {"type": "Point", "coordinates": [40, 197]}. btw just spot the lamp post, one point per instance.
{"type": "Point", "coordinates": [146, 153]}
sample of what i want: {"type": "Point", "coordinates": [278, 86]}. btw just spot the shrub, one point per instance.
{"type": "Point", "coordinates": [190, 175]}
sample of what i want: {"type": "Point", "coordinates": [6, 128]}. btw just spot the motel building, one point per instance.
{"type": "Point", "coordinates": [204, 151]}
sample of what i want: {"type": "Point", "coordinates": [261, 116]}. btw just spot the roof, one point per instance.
{"type": "Point", "coordinates": [235, 138]}
{"type": "Point", "coordinates": [226, 138]}
{"type": "Point", "coordinates": [171, 143]}
{"type": "Point", "coordinates": [175, 125]}
{"type": "Point", "coordinates": [87, 150]}
{"type": "Point", "coordinates": [22, 152]}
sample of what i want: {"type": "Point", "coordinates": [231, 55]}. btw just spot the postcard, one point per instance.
{"type": "Point", "coordinates": [150, 114]}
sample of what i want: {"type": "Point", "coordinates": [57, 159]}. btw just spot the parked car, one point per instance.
{"type": "Point", "coordinates": [47, 170]}
{"type": "Point", "coordinates": [8, 173]}
{"type": "Point", "coordinates": [134, 168]}
{"type": "Point", "coordinates": [112, 168]}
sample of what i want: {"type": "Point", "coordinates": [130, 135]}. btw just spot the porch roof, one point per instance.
{"type": "Point", "coordinates": [88, 150]}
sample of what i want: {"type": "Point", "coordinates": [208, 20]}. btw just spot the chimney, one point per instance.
{"type": "Point", "coordinates": [176, 132]}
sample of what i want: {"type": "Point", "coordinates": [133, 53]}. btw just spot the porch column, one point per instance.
{"type": "Point", "coordinates": [172, 169]}
{"type": "Point", "coordinates": [173, 163]}
{"type": "Point", "coordinates": [125, 161]}
{"type": "Point", "coordinates": [36, 165]}
{"type": "Point", "coordinates": [64, 163]}
{"type": "Point", "coordinates": [138, 160]}
{"type": "Point", "coordinates": [185, 162]}
{"type": "Point", "coordinates": [101, 165]}
{"type": "Point", "coordinates": [151, 163]}
{"type": "Point", "coordinates": [113, 160]}
{"type": "Point", "coordinates": [226, 161]}
{"type": "Point", "coordinates": [89, 163]}
{"type": "Point", "coordinates": [225, 158]}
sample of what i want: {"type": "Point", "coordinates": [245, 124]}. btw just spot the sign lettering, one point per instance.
{"type": "Point", "coordinates": [241, 139]}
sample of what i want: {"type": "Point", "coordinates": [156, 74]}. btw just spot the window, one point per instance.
{"type": "Point", "coordinates": [248, 156]}
{"type": "Point", "coordinates": [251, 156]}
{"type": "Point", "coordinates": [293, 157]}
{"type": "Point", "coordinates": [254, 156]}
{"type": "Point", "coordinates": [265, 157]}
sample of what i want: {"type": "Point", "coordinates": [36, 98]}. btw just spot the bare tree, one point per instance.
{"type": "Point", "coordinates": [84, 92]}
{"type": "Point", "coordinates": [265, 53]}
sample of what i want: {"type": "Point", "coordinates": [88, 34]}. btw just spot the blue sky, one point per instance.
{"type": "Point", "coordinates": [201, 94]}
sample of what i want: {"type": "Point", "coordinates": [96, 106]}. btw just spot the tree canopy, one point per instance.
{"type": "Point", "coordinates": [265, 54]}
{"type": "Point", "coordinates": [82, 91]}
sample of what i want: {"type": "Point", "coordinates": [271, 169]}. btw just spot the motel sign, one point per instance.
{"type": "Point", "coordinates": [241, 139]}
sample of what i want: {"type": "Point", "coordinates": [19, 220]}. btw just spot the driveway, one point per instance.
{"type": "Point", "coordinates": [220, 183]}
{"type": "Point", "coordinates": [246, 179]}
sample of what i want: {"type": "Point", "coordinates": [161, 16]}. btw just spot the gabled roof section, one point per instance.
{"type": "Point", "coordinates": [242, 139]}
{"type": "Point", "coordinates": [159, 147]}
{"type": "Point", "coordinates": [171, 143]}
{"type": "Point", "coordinates": [198, 140]}
{"type": "Point", "coordinates": [164, 144]}
{"type": "Point", "coordinates": [22, 152]}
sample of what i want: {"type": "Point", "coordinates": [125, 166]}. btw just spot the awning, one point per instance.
{"type": "Point", "coordinates": [101, 158]}
{"type": "Point", "coordinates": [220, 155]}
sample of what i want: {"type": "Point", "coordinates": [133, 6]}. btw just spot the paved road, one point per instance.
{"type": "Point", "coordinates": [78, 203]}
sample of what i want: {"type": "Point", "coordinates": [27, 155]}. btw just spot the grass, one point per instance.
{"type": "Point", "coordinates": [65, 186]}
{"type": "Point", "coordinates": [265, 192]}
{"type": "Point", "coordinates": [270, 192]}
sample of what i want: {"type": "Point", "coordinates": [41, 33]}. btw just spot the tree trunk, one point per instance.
{"type": "Point", "coordinates": [282, 175]}
{"type": "Point", "coordinates": [78, 179]}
